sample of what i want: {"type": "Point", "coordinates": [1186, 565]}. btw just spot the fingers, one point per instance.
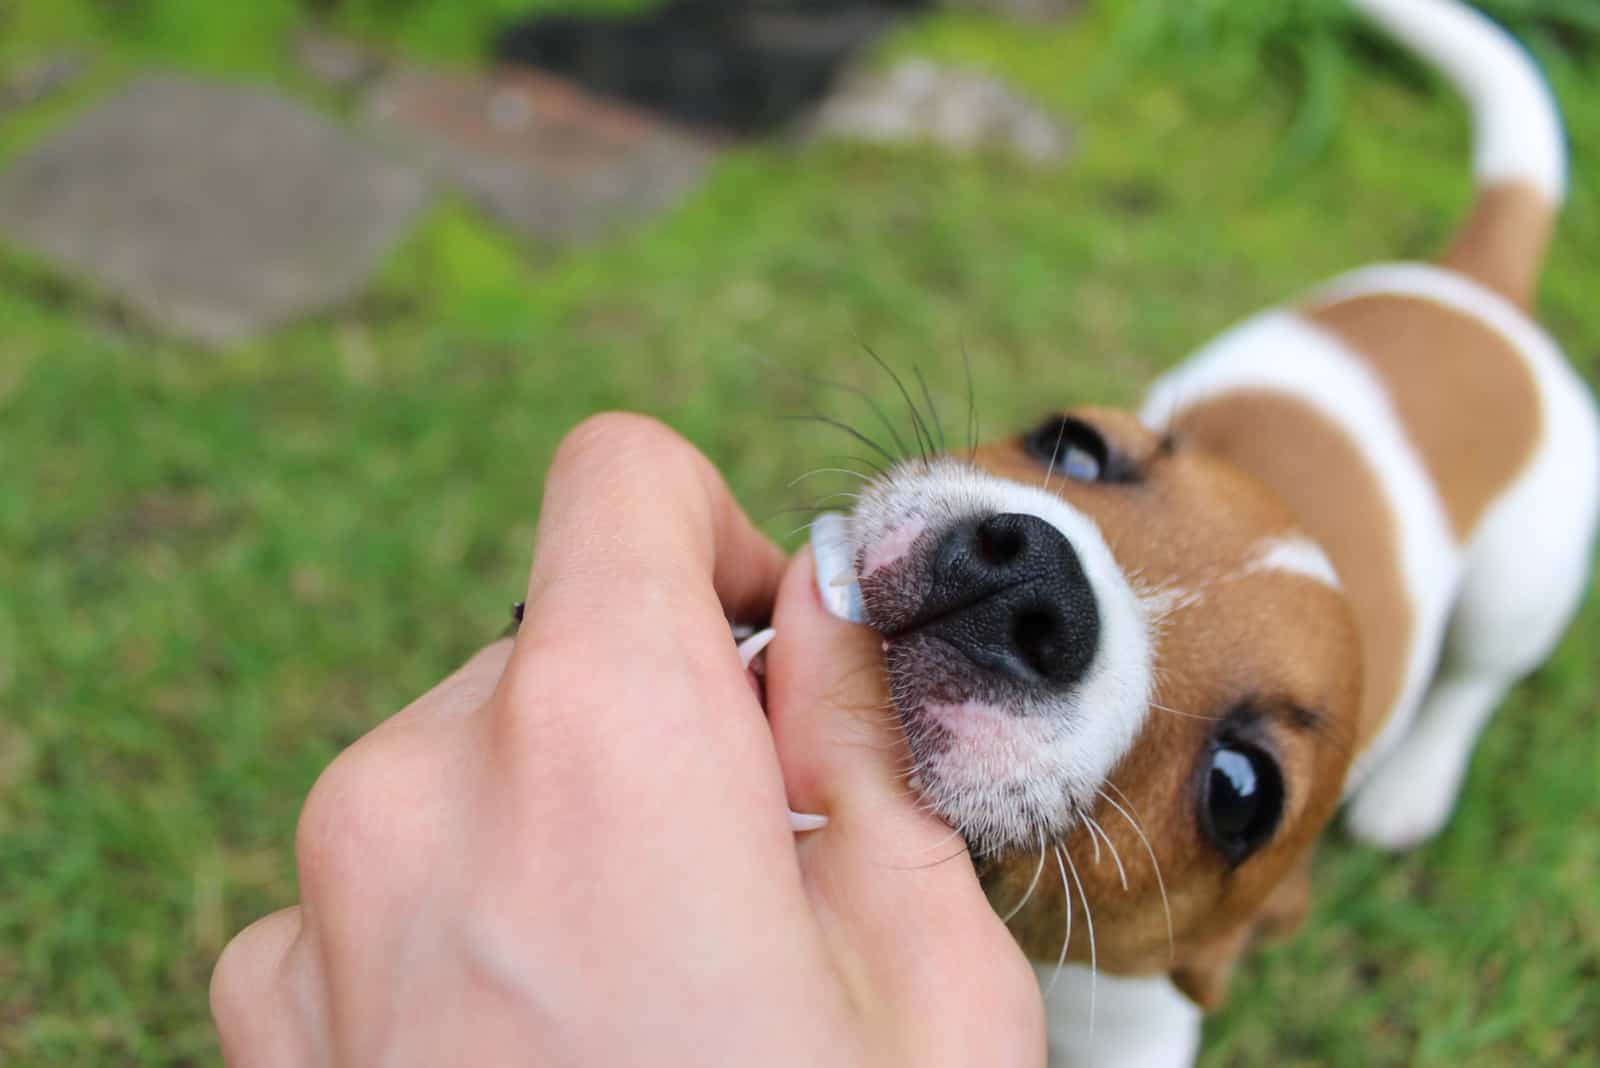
{"type": "Point", "coordinates": [629, 506]}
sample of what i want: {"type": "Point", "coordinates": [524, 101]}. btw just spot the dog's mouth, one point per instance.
{"type": "Point", "coordinates": [1015, 652]}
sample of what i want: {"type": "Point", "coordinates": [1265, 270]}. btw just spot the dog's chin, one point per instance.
{"type": "Point", "coordinates": [981, 762]}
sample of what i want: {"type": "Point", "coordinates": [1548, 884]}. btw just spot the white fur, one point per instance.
{"type": "Point", "coordinates": [1283, 353]}
{"type": "Point", "coordinates": [1141, 1022]}
{"type": "Point", "coordinates": [1089, 729]}
{"type": "Point", "coordinates": [1516, 125]}
{"type": "Point", "coordinates": [1295, 554]}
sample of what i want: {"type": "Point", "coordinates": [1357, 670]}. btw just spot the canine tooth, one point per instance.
{"type": "Point", "coordinates": [800, 822]}
{"type": "Point", "coordinates": [751, 647]}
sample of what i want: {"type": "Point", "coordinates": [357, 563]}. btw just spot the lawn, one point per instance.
{"type": "Point", "coordinates": [217, 569]}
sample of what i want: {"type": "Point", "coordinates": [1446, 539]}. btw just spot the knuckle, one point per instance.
{"type": "Point", "coordinates": [351, 828]}
{"type": "Point", "coordinates": [601, 437]}
{"type": "Point", "coordinates": [624, 448]}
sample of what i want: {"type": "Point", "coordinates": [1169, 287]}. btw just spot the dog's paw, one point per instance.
{"type": "Point", "coordinates": [1407, 800]}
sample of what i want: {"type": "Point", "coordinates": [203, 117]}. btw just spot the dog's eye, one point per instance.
{"type": "Point", "coordinates": [1069, 446]}
{"type": "Point", "coordinates": [1243, 799]}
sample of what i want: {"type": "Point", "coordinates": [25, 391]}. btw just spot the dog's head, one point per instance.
{"type": "Point", "coordinates": [1103, 640]}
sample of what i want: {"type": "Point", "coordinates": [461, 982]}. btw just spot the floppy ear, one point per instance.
{"type": "Point", "coordinates": [1203, 975]}
{"type": "Point", "coordinates": [1285, 908]}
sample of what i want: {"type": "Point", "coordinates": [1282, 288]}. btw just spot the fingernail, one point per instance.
{"type": "Point", "coordinates": [836, 566]}
{"type": "Point", "coordinates": [800, 822]}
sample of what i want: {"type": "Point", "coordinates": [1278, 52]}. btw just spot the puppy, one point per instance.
{"type": "Point", "coordinates": [1140, 659]}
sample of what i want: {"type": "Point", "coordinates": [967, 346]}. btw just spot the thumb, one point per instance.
{"type": "Point", "coordinates": [892, 885]}
{"type": "Point", "coordinates": [839, 741]}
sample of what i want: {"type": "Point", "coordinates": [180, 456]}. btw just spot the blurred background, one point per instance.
{"type": "Point", "coordinates": [297, 296]}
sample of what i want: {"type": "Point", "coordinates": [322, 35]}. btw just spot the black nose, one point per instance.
{"type": "Point", "coordinates": [1009, 592]}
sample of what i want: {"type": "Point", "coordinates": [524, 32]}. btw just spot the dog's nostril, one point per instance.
{"type": "Point", "coordinates": [1033, 633]}
{"type": "Point", "coordinates": [1010, 593]}
{"type": "Point", "coordinates": [1000, 541]}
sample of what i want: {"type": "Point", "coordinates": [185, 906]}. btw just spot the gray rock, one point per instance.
{"type": "Point", "coordinates": [1031, 10]}
{"type": "Point", "coordinates": [334, 62]}
{"type": "Point", "coordinates": [212, 211]}
{"type": "Point", "coordinates": [540, 155]}
{"type": "Point", "coordinates": [960, 110]}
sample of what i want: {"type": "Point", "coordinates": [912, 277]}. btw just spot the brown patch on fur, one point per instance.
{"type": "Point", "coordinates": [1502, 241]}
{"type": "Point", "coordinates": [1318, 471]}
{"type": "Point", "coordinates": [1271, 654]}
{"type": "Point", "coordinates": [1475, 444]}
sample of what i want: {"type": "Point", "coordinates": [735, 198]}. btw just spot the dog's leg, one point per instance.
{"type": "Point", "coordinates": [1137, 1023]}
{"type": "Point", "coordinates": [1525, 574]}
{"type": "Point", "coordinates": [1410, 794]}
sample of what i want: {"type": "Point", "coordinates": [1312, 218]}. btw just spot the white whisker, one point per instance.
{"type": "Point", "coordinates": [828, 471]}
{"type": "Point", "coordinates": [1066, 939]}
{"type": "Point", "coordinates": [1185, 715]}
{"type": "Point", "coordinates": [1088, 925]}
{"type": "Point", "coordinates": [1115, 856]}
{"type": "Point", "coordinates": [1031, 886]}
{"type": "Point", "coordinates": [1161, 885]}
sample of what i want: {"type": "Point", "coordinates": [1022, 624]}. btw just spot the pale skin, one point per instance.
{"type": "Point", "coordinates": [575, 849]}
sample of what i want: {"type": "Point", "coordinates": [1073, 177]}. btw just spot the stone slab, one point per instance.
{"type": "Point", "coordinates": [212, 211]}
{"type": "Point", "coordinates": [341, 64]}
{"type": "Point", "coordinates": [961, 110]}
{"type": "Point", "coordinates": [1026, 10]}
{"type": "Point", "coordinates": [544, 157]}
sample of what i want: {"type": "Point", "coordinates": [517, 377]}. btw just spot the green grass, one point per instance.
{"type": "Point", "coordinates": [216, 569]}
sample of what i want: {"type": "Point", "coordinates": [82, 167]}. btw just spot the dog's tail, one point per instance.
{"type": "Point", "coordinates": [1520, 155]}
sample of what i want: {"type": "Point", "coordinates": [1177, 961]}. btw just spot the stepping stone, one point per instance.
{"type": "Point", "coordinates": [340, 64]}
{"type": "Point", "coordinates": [1030, 10]}
{"type": "Point", "coordinates": [963, 111]}
{"type": "Point", "coordinates": [211, 211]}
{"type": "Point", "coordinates": [538, 154]}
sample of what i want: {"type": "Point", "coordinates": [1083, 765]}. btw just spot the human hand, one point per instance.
{"type": "Point", "coordinates": [574, 850]}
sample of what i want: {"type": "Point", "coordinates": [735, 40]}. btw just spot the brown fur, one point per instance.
{"type": "Point", "coordinates": [1318, 471]}
{"type": "Point", "coordinates": [1502, 241]}
{"type": "Point", "coordinates": [1477, 443]}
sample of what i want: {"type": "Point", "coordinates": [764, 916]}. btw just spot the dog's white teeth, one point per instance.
{"type": "Point", "coordinates": [751, 647]}
{"type": "Point", "coordinates": [914, 780]}
{"type": "Point", "coordinates": [800, 822]}
{"type": "Point", "coordinates": [836, 581]}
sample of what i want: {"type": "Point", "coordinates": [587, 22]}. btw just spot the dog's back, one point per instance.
{"type": "Point", "coordinates": [1431, 436]}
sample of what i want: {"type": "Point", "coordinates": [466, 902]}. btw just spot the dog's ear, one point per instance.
{"type": "Point", "coordinates": [1203, 975]}
{"type": "Point", "coordinates": [1204, 972]}
{"type": "Point", "coordinates": [1285, 909]}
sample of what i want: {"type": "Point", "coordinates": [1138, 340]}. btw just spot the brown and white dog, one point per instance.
{"type": "Point", "coordinates": [1140, 659]}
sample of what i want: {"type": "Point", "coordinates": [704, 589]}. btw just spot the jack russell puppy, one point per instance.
{"type": "Point", "coordinates": [1141, 658]}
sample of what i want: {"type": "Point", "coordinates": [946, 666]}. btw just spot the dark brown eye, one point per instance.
{"type": "Point", "coordinates": [1069, 447]}
{"type": "Point", "coordinates": [1242, 800]}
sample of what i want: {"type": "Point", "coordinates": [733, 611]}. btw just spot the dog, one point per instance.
{"type": "Point", "coordinates": [1302, 575]}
